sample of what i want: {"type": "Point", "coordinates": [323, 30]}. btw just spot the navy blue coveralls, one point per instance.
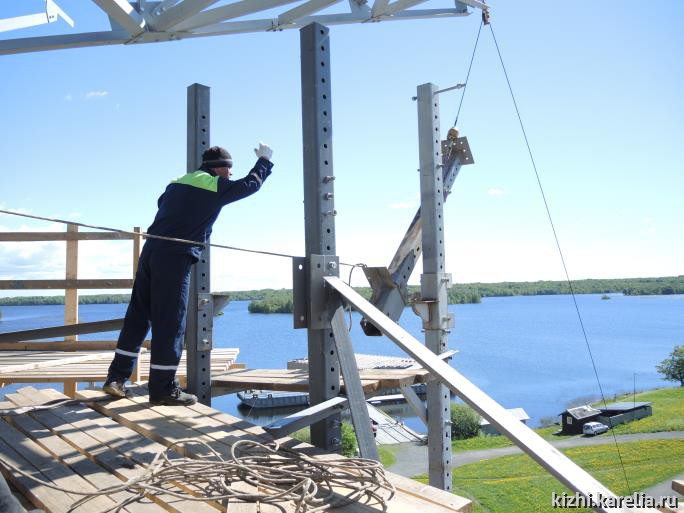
{"type": "Point", "coordinates": [187, 210]}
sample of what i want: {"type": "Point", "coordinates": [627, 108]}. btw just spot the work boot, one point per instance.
{"type": "Point", "coordinates": [116, 388]}
{"type": "Point", "coordinates": [174, 398]}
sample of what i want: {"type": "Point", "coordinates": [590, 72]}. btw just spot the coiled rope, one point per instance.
{"type": "Point", "coordinates": [278, 477]}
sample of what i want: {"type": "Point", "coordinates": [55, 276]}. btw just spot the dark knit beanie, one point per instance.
{"type": "Point", "coordinates": [216, 157]}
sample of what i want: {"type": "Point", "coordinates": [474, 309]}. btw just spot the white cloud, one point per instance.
{"type": "Point", "coordinates": [495, 191]}
{"type": "Point", "coordinates": [96, 94]}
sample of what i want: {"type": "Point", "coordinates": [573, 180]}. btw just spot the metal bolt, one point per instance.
{"type": "Point", "coordinates": [330, 213]}
{"type": "Point", "coordinates": [328, 195]}
{"type": "Point", "coordinates": [205, 341]}
{"type": "Point", "coordinates": [332, 265]}
{"type": "Point", "coordinates": [203, 301]}
{"type": "Point", "coordinates": [328, 179]}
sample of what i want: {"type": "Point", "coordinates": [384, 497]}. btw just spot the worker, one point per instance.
{"type": "Point", "coordinates": [187, 210]}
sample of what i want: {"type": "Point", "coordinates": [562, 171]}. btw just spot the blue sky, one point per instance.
{"type": "Point", "coordinates": [95, 135]}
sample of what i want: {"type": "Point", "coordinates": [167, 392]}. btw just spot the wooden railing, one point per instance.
{"type": "Point", "coordinates": [71, 282]}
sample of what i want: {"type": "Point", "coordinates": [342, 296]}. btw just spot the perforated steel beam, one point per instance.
{"type": "Point", "coordinates": [199, 320]}
{"type": "Point", "coordinates": [432, 282]}
{"type": "Point", "coordinates": [319, 226]}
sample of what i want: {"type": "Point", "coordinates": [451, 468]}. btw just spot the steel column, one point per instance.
{"type": "Point", "coordinates": [434, 281]}
{"type": "Point", "coordinates": [319, 222]}
{"type": "Point", "coordinates": [199, 323]}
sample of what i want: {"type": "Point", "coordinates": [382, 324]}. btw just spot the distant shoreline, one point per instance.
{"type": "Point", "coordinates": [271, 300]}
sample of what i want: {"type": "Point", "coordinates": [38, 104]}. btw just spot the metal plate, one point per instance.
{"type": "Point", "coordinates": [319, 293]}
{"type": "Point", "coordinates": [300, 292]}
{"type": "Point", "coordinates": [462, 147]}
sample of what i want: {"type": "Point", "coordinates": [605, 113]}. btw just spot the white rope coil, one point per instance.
{"type": "Point", "coordinates": [277, 476]}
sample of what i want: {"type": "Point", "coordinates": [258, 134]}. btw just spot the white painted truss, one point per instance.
{"type": "Point", "coordinates": [146, 21]}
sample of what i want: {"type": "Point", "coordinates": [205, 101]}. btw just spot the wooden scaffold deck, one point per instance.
{"type": "Point", "coordinates": [71, 367]}
{"type": "Point", "coordinates": [102, 444]}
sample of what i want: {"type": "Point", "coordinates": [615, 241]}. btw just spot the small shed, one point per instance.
{"type": "Point", "coordinates": [573, 419]}
{"type": "Point", "coordinates": [620, 413]}
{"type": "Point", "coordinates": [487, 429]}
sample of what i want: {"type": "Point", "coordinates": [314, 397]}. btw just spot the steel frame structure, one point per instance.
{"type": "Point", "coordinates": [147, 21]}
{"type": "Point", "coordinates": [316, 275]}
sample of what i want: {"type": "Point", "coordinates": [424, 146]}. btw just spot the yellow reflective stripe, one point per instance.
{"type": "Point", "coordinates": [199, 179]}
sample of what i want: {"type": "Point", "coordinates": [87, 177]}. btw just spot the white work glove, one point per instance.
{"type": "Point", "coordinates": [263, 151]}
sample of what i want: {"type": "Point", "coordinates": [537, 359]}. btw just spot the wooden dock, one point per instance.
{"type": "Point", "coordinates": [80, 447]}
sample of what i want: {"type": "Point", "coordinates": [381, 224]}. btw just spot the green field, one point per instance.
{"type": "Point", "coordinates": [668, 411]}
{"type": "Point", "coordinates": [482, 442]}
{"type": "Point", "coordinates": [668, 415]}
{"type": "Point", "coordinates": [516, 484]}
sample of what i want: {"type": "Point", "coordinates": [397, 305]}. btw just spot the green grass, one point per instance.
{"type": "Point", "coordinates": [387, 457]}
{"type": "Point", "coordinates": [668, 415]}
{"type": "Point", "coordinates": [516, 484]}
{"type": "Point", "coordinates": [386, 453]}
{"type": "Point", "coordinates": [668, 411]}
{"type": "Point", "coordinates": [482, 442]}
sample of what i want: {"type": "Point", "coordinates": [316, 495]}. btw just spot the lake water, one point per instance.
{"type": "Point", "coordinates": [525, 352]}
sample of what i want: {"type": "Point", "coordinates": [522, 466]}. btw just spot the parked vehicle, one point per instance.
{"type": "Point", "coordinates": [594, 428]}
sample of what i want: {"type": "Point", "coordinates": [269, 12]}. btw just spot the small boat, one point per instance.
{"type": "Point", "coordinates": [272, 399]}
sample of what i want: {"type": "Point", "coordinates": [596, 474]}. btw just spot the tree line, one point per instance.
{"type": "Point", "coordinates": [280, 300]}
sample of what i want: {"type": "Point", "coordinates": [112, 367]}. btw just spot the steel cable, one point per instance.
{"type": "Point", "coordinates": [560, 251]}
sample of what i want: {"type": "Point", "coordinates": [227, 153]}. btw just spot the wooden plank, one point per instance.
{"type": "Point", "coordinates": [60, 345]}
{"type": "Point", "coordinates": [120, 450]}
{"type": "Point", "coordinates": [136, 250]}
{"type": "Point", "coordinates": [70, 388]}
{"type": "Point", "coordinates": [71, 294]}
{"type": "Point", "coordinates": [47, 364]}
{"type": "Point", "coordinates": [678, 486]}
{"type": "Point", "coordinates": [62, 236]}
{"type": "Point", "coordinates": [61, 331]}
{"type": "Point", "coordinates": [55, 472]}
{"type": "Point", "coordinates": [52, 501]}
{"type": "Point", "coordinates": [70, 455]}
{"type": "Point", "coordinates": [65, 284]}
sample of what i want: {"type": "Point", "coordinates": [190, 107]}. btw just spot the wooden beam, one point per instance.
{"type": "Point", "coordinates": [70, 388]}
{"type": "Point", "coordinates": [60, 345]}
{"type": "Point", "coordinates": [71, 294]}
{"type": "Point", "coordinates": [62, 331]}
{"type": "Point", "coordinates": [45, 364]}
{"type": "Point", "coordinates": [62, 236]}
{"type": "Point", "coordinates": [136, 250]}
{"type": "Point", "coordinates": [65, 284]}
